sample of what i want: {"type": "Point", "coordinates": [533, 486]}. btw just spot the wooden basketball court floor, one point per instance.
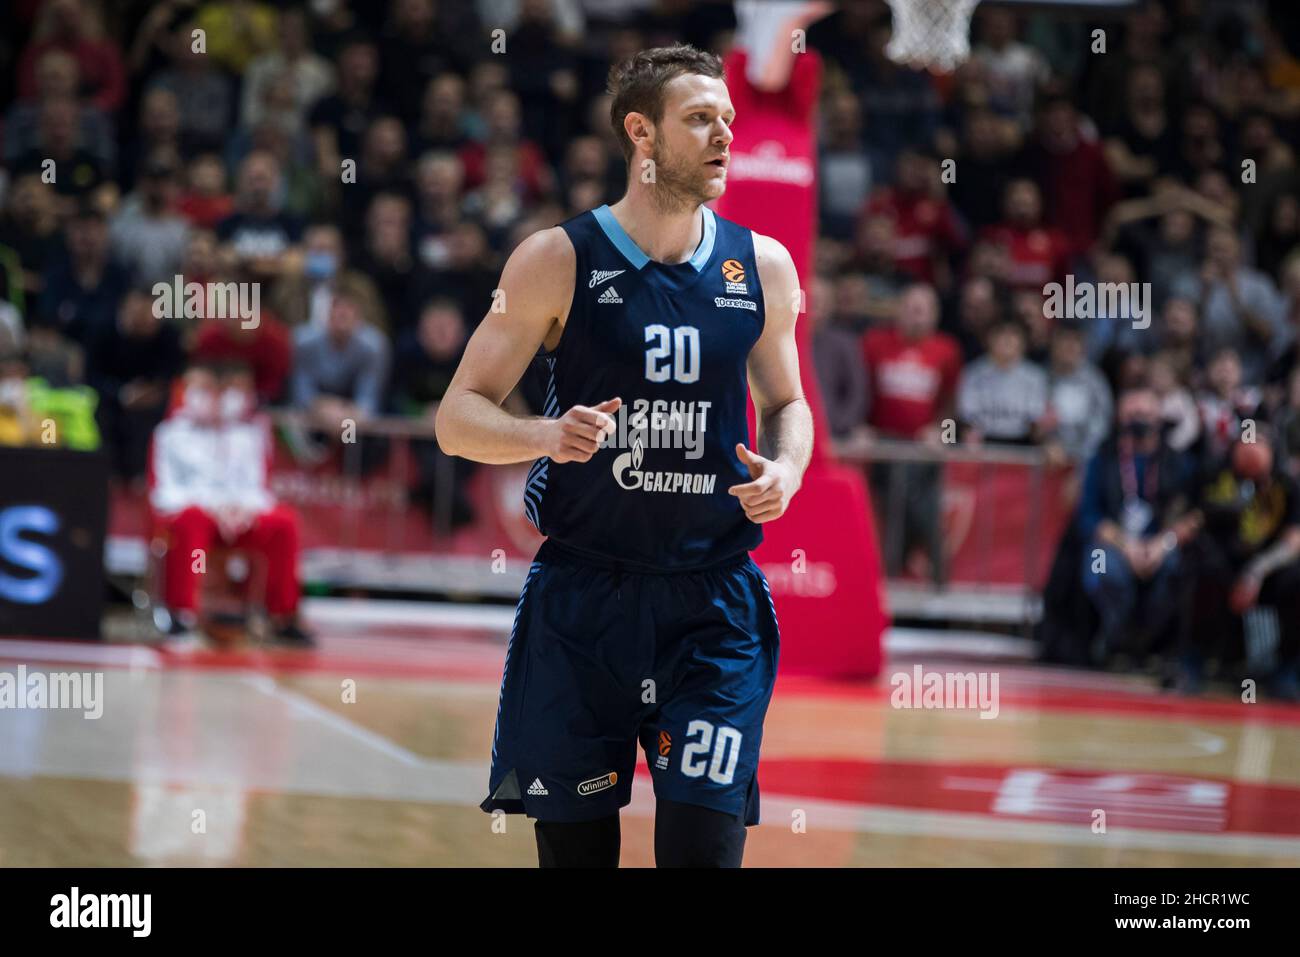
{"type": "Point", "coordinates": [285, 772]}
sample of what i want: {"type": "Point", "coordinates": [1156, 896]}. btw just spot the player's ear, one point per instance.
{"type": "Point", "coordinates": [639, 128]}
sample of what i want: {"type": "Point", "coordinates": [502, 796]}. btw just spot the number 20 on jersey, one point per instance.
{"type": "Point", "coordinates": [672, 353]}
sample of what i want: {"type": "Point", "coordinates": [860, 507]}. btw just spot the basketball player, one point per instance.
{"type": "Point", "coordinates": [643, 616]}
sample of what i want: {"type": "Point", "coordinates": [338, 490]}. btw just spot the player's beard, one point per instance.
{"type": "Point", "coordinates": [681, 184]}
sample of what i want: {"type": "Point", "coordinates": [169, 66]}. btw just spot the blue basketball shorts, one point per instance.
{"type": "Point", "coordinates": [602, 657]}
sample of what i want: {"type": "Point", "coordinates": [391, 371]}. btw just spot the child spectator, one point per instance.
{"type": "Point", "coordinates": [1003, 396]}
{"type": "Point", "coordinates": [210, 471]}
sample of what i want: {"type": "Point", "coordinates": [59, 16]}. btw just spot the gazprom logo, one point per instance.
{"type": "Point", "coordinates": [629, 464]}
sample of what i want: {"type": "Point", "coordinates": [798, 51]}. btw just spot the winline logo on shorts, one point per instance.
{"type": "Point", "coordinates": [946, 689]}
{"type": "Point", "coordinates": [598, 784]}
{"type": "Point", "coordinates": [58, 690]}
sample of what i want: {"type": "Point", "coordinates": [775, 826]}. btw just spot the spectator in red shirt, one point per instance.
{"type": "Point", "coordinates": [504, 124]}
{"type": "Point", "coordinates": [1070, 165]}
{"type": "Point", "coordinates": [913, 370]}
{"type": "Point", "coordinates": [265, 349]}
{"type": "Point", "coordinates": [70, 26]}
{"type": "Point", "coordinates": [206, 201]}
{"type": "Point", "coordinates": [926, 227]}
{"type": "Point", "coordinates": [1037, 254]}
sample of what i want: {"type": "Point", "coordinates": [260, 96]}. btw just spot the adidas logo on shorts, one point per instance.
{"type": "Point", "coordinates": [609, 295]}
{"type": "Point", "coordinates": [536, 789]}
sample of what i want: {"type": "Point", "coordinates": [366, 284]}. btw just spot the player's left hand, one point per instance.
{"type": "Point", "coordinates": [767, 497]}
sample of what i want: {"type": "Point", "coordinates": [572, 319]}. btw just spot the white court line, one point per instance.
{"type": "Point", "coordinates": [979, 644]}
{"type": "Point", "coordinates": [90, 653]}
{"type": "Point", "coordinates": [429, 614]}
{"type": "Point", "coordinates": [268, 686]}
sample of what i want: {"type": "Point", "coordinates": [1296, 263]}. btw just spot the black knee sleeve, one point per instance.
{"type": "Point", "coordinates": [690, 836]}
{"type": "Point", "coordinates": [578, 844]}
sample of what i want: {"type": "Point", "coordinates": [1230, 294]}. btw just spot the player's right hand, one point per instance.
{"type": "Point", "coordinates": [576, 435]}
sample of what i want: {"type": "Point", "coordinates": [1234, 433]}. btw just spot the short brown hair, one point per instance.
{"type": "Point", "coordinates": [637, 84]}
{"type": "Point", "coordinates": [356, 289]}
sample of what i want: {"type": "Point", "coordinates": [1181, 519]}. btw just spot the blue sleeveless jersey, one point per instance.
{"type": "Point", "coordinates": [672, 341]}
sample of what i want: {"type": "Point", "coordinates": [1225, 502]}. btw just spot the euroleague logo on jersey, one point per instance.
{"type": "Point", "coordinates": [733, 273]}
{"type": "Point", "coordinates": [665, 748]}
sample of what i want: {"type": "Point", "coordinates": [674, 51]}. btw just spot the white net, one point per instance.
{"type": "Point", "coordinates": [931, 33]}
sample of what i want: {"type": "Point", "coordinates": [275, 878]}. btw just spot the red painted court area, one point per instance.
{"type": "Point", "coordinates": [1131, 800]}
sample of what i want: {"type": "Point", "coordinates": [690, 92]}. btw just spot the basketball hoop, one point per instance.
{"type": "Point", "coordinates": [931, 33]}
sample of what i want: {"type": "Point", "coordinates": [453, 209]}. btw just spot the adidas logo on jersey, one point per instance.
{"type": "Point", "coordinates": [603, 275]}
{"type": "Point", "coordinates": [609, 295]}
{"type": "Point", "coordinates": [536, 789]}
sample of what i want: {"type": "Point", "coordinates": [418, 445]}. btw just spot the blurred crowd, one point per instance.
{"type": "Point", "coordinates": [958, 214]}
{"type": "Point", "coordinates": [1165, 165]}
{"type": "Point", "coordinates": [371, 164]}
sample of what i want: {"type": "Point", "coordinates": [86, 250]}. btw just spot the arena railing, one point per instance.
{"type": "Point", "coordinates": [976, 512]}
{"type": "Point", "coordinates": [987, 565]}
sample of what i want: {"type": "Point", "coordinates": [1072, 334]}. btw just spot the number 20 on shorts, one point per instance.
{"type": "Point", "coordinates": [724, 748]}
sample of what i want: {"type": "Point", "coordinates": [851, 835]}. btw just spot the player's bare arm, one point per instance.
{"type": "Point", "coordinates": [785, 428]}
{"type": "Point", "coordinates": [536, 290]}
